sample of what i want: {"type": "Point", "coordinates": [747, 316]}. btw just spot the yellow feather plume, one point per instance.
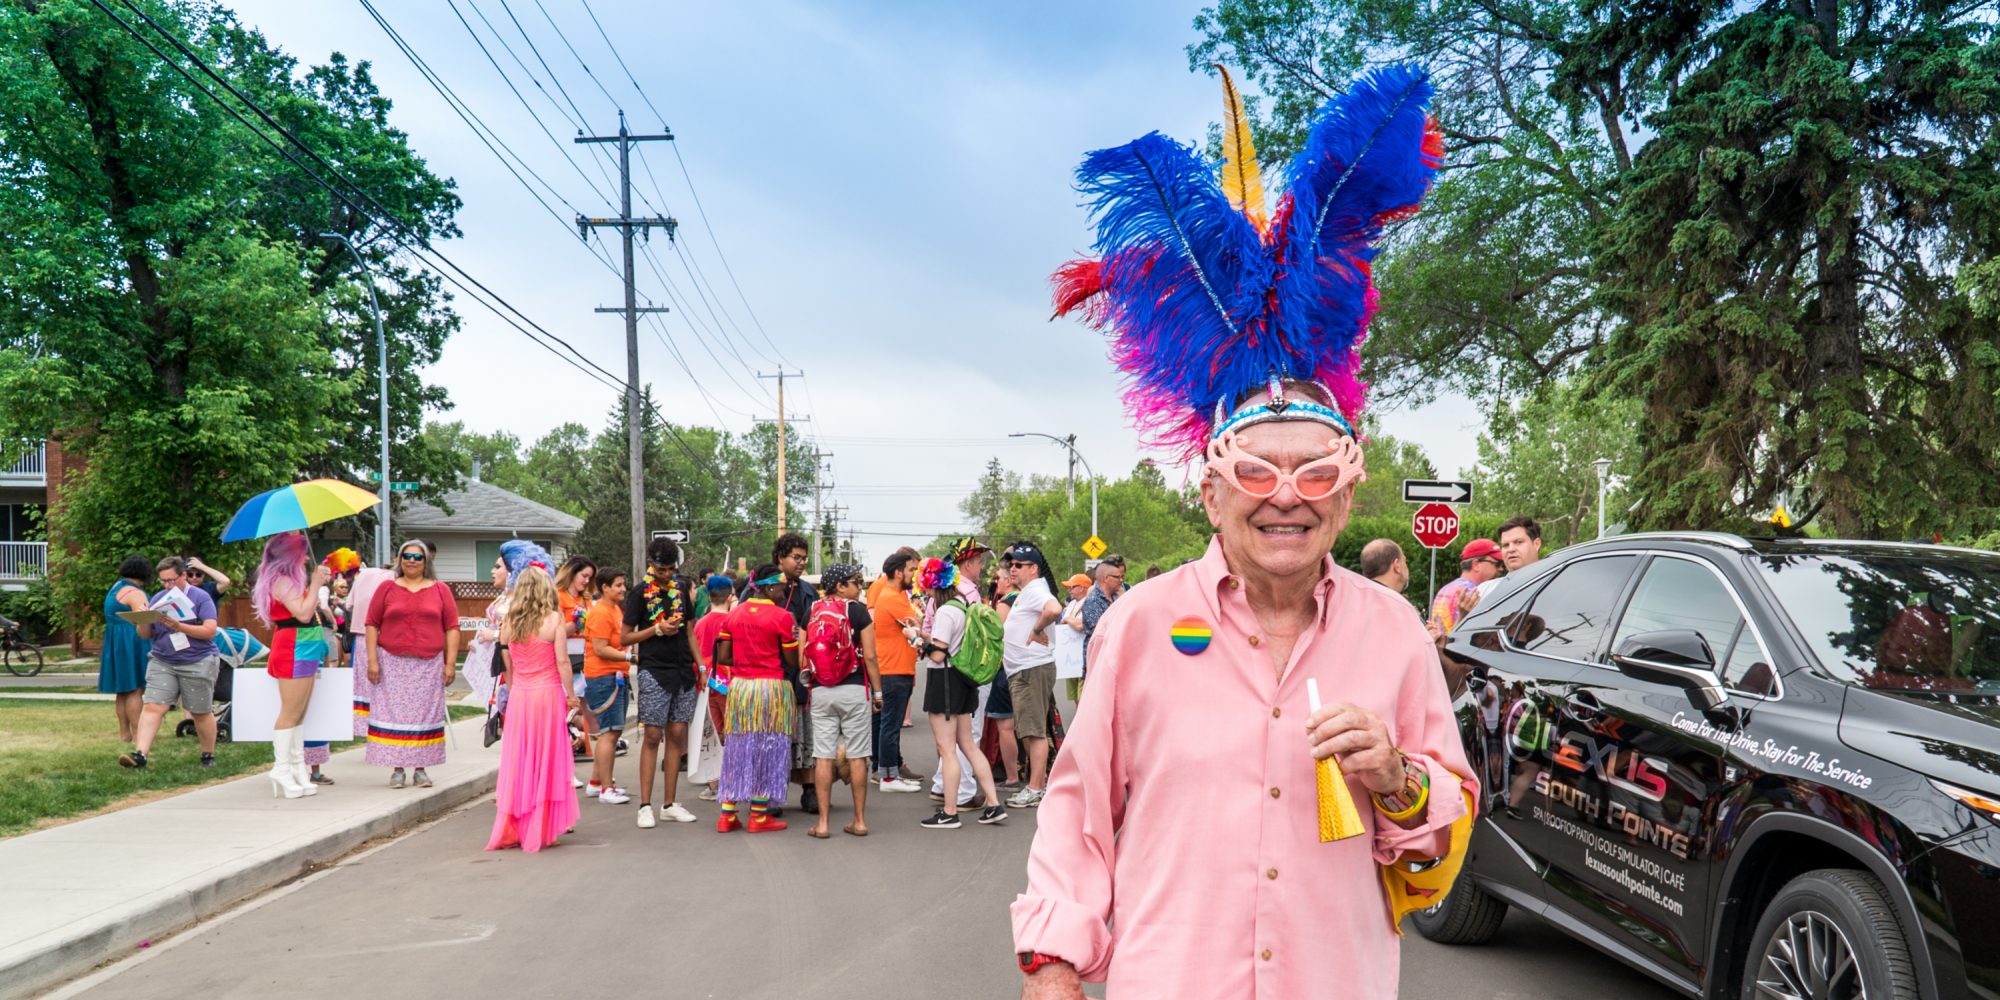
{"type": "Point", "coordinates": [1241, 180]}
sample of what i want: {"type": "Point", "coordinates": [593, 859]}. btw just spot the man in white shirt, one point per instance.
{"type": "Point", "coordinates": [1030, 661]}
{"type": "Point", "coordinates": [1068, 637]}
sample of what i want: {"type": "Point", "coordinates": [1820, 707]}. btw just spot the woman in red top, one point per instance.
{"type": "Point", "coordinates": [755, 645]}
{"type": "Point", "coordinates": [412, 658]}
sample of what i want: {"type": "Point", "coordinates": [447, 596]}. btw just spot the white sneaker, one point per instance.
{"type": "Point", "coordinates": [674, 812]}
{"type": "Point", "coordinates": [1026, 798]}
{"type": "Point", "coordinates": [646, 821]}
{"type": "Point", "coordinates": [707, 795]}
{"type": "Point", "coordinates": [900, 785]}
{"type": "Point", "coordinates": [612, 795]}
{"type": "Point", "coordinates": [575, 782]}
{"type": "Point", "coordinates": [593, 791]}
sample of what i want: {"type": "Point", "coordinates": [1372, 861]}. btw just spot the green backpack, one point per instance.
{"type": "Point", "coordinates": [978, 656]}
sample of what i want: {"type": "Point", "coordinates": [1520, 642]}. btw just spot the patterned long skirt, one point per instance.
{"type": "Point", "coordinates": [406, 712]}
{"type": "Point", "coordinates": [757, 757]}
{"type": "Point", "coordinates": [363, 691]}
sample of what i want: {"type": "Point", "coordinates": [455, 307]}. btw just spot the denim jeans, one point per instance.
{"type": "Point", "coordinates": [896, 690]}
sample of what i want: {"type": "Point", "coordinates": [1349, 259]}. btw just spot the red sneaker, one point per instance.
{"type": "Point", "coordinates": [727, 823]}
{"type": "Point", "coordinates": [765, 824]}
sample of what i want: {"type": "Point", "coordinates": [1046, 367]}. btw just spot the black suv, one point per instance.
{"type": "Point", "coordinates": [1747, 767]}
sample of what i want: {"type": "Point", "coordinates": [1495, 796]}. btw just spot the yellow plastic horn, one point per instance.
{"type": "Point", "coordinates": [1338, 819]}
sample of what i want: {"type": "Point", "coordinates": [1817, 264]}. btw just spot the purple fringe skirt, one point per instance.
{"type": "Point", "coordinates": [757, 758]}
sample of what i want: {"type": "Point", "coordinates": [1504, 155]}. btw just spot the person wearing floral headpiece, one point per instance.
{"type": "Point", "coordinates": [1238, 333]}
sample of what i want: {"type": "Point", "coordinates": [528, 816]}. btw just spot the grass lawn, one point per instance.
{"type": "Point", "coordinates": [6, 688]}
{"type": "Point", "coordinates": [59, 761]}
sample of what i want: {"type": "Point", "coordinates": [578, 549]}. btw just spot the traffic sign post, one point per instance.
{"type": "Point", "coordinates": [678, 536]}
{"type": "Point", "coordinates": [1435, 526]}
{"type": "Point", "coordinates": [1094, 547]}
{"type": "Point", "coordinates": [1437, 491]}
{"type": "Point", "coordinates": [403, 487]}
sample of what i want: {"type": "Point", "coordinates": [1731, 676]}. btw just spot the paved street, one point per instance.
{"type": "Point", "coordinates": [682, 911]}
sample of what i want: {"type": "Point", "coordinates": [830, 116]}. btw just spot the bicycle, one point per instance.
{"type": "Point", "coordinates": [21, 657]}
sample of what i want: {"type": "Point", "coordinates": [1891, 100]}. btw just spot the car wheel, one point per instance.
{"type": "Point", "coordinates": [1468, 915]}
{"type": "Point", "coordinates": [1829, 935]}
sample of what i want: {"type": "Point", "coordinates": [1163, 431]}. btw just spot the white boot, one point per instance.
{"type": "Point", "coordinates": [300, 772]}
{"type": "Point", "coordinates": [282, 782]}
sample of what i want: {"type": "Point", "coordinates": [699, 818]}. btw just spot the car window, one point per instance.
{"type": "Point", "coordinates": [1569, 615]}
{"type": "Point", "coordinates": [1748, 668]}
{"type": "Point", "coordinates": [1680, 594]}
{"type": "Point", "coordinates": [1897, 621]}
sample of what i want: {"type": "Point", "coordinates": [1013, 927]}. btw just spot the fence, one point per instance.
{"type": "Point", "coordinates": [31, 468]}
{"type": "Point", "coordinates": [24, 560]}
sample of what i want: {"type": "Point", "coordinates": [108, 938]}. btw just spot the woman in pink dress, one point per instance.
{"type": "Point", "coordinates": [536, 799]}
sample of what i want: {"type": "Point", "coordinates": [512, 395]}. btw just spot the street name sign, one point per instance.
{"type": "Point", "coordinates": [678, 536]}
{"type": "Point", "coordinates": [1437, 491]}
{"type": "Point", "coordinates": [1094, 547]}
{"type": "Point", "coordinates": [1435, 525]}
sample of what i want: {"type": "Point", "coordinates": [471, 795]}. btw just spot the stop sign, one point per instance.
{"type": "Point", "coordinates": [1435, 525]}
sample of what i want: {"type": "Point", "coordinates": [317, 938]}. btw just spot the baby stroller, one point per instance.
{"type": "Point", "coordinates": [236, 647]}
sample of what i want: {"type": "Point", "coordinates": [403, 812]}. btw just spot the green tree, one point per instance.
{"type": "Point", "coordinates": [1390, 460]}
{"type": "Point", "coordinates": [1538, 458]}
{"type": "Point", "coordinates": [1783, 266]}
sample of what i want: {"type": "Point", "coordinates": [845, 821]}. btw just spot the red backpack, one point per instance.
{"type": "Point", "coordinates": [829, 648]}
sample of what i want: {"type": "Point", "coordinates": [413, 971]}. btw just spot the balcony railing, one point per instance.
{"type": "Point", "coordinates": [26, 463]}
{"type": "Point", "coordinates": [24, 560]}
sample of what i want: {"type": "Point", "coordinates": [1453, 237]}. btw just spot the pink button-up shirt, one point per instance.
{"type": "Point", "coordinates": [1177, 853]}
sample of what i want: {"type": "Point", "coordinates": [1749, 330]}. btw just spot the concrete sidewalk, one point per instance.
{"type": "Point", "coordinates": [75, 896]}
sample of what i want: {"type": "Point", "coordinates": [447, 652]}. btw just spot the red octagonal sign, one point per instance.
{"type": "Point", "coordinates": [1435, 525]}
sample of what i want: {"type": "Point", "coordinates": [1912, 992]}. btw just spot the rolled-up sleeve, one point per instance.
{"type": "Point", "coordinates": [1425, 729]}
{"type": "Point", "coordinates": [1066, 909]}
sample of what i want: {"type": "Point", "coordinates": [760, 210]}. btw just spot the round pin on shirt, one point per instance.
{"type": "Point", "coordinates": [1191, 635]}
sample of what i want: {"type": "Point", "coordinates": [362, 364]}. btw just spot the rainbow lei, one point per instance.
{"type": "Point", "coordinates": [662, 602]}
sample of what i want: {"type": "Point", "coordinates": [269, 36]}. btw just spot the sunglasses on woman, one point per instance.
{"type": "Point", "coordinates": [414, 557]}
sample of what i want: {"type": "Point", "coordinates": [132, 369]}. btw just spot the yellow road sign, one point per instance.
{"type": "Point", "coordinates": [1094, 547]}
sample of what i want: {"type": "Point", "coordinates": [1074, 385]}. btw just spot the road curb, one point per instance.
{"type": "Point", "coordinates": [47, 961]}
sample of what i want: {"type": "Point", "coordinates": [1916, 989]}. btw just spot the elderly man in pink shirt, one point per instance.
{"type": "Point", "coordinates": [1180, 851]}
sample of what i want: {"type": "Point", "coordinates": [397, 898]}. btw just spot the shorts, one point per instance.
{"type": "Point", "coordinates": [842, 719]}
{"type": "Point", "coordinates": [191, 684]}
{"type": "Point", "coordinates": [1000, 704]}
{"type": "Point", "coordinates": [610, 692]}
{"type": "Point", "coordinates": [1034, 690]}
{"type": "Point", "coordinates": [948, 692]}
{"type": "Point", "coordinates": [661, 707]}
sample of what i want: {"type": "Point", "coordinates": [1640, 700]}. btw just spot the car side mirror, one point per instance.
{"type": "Point", "coordinates": [1676, 656]}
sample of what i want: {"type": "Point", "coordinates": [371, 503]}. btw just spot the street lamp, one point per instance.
{"type": "Point", "coordinates": [382, 363]}
{"type": "Point", "coordinates": [1603, 479]}
{"type": "Point", "coordinates": [1071, 445]}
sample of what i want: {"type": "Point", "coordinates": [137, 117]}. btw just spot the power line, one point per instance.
{"type": "Point", "coordinates": [405, 235]}
{"type": "Point", "coordinates": [525, 106]}
{"type": "Point", "coordinates": [572, 51]}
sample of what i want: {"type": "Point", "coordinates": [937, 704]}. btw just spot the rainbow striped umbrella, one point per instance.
{"type": "Point", "coordinates": [296, 507]}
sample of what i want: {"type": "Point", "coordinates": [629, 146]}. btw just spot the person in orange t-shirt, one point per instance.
{"type": "Point", "coordinates": [603, 657]}
{"type": "Point", "coordinates": [898, 661]}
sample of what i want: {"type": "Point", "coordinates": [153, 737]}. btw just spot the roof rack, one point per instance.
{"type": "Point", "coordinates": [1714, 537]}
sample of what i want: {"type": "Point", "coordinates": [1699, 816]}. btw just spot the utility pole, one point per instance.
{"type": "Point", "coordinates": [781, 376]}
{"type": "Point", "coordinates": [819, 487]}
{"type": "Point", "coordinates": [627, 226]}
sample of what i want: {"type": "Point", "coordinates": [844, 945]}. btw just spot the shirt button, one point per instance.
{"type": "Point", "coordinates": [1274, 793]}
{"type": "Point", "coordinates": [1235, 584]}
{"type": "Point", "coordinates": [1272, 874]}
{"type": "Point", "coordinates": [1267, 954]}
{"type": "Point", "coordinates": [1276, 711]}
{"type": "Point", "coordinates": [1255, 641]}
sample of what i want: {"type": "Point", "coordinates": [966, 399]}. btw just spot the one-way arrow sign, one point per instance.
{"type": "Point", "coordinates": [1436, 490]}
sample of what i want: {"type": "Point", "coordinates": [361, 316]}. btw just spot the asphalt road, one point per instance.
{"type": "Point", "coordinates": [680, 911]}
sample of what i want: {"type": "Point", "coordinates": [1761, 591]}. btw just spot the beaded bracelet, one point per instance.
{"type": "Point", "coordinates": [1416, 792]}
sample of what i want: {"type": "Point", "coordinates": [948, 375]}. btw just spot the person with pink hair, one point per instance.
{"type": "Point", "coordinates": [285, 598]}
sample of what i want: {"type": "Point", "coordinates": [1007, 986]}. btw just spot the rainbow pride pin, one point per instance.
{"type": "Point", "coordinates": [1191, 635]}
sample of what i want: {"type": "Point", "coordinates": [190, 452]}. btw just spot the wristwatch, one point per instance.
{"type": "Point", "coordinates": [1030, 961]}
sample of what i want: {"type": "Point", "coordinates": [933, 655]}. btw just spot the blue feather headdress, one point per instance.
{"type": "Point", "coordinates": [1206, 304]}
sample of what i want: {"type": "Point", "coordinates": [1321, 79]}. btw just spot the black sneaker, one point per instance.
{"type": "Point", "coordinates": [941, 821]}
{"type": "Point", "coordinates": [809, 801]}
{"type": "Point", "coordinates": [207, 761]}
{"type": "Point", "coordinates": [134, 760]}
{"type": "Point", "coordinates": [993, 814]}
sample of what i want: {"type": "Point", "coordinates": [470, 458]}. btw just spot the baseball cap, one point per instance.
{"type": "Point", "coordinates": [1480, 548]}
{"type": "Point", "coordinates": [1079, 580]}
{"type": "Point", "coordinates": [1024, 552]}
{"type": "Point", "coordinates": [965, 548]}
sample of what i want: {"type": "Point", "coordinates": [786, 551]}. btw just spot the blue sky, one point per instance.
{"type": "Point", "coordinates": [890, 183]}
